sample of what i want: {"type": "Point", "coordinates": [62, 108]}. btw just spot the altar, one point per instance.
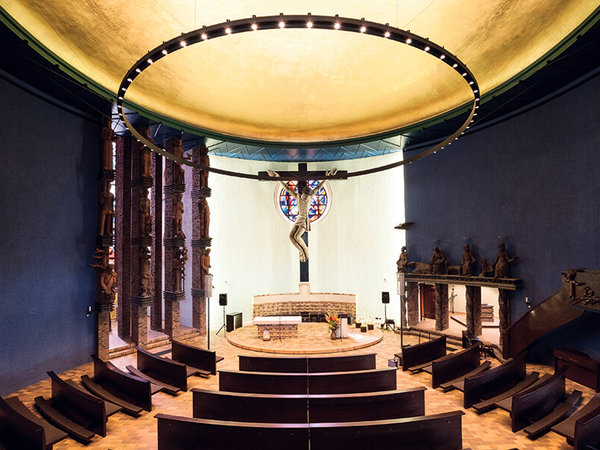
{"type": "Point", "coordinates": [303, 301]}
{"type": "Point", "coordinates": [278, 327]}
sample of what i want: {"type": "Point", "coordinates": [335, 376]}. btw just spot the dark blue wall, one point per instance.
{"type": "Point", "coordinates": [534, 179]}
{"type": "Point", "coordinates": [48, 173]}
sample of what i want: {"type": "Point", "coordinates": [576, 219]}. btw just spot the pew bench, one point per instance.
{"type": "Point", "coordinates": [309, 364]}
{"type": "Point", "coordinates": [454, 365]}
{"type": "Point", "coordinates": [459, 382]}
{"type": "Point", "coordinates": [170, 375]}
{"type": "Point", "coordinates": [504, 399]}
{"type": "Point", "coordinates": [416, 357]}
{"type": "Point", "coordinates": [198, 361]}
{"type": "Point", "coordinates": [566, 428]}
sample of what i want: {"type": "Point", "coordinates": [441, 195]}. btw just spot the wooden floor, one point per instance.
{"type": "Point", "coordinates": [490, 431]}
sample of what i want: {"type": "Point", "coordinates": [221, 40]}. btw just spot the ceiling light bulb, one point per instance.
{"type": "Point", "coordinates": [363, 29]}
{"type": "Point", "coordinates": [204, 36]}
{"type": "Point", "coordinates": [149, 61]}
{"type": "Point", "coordinates": [138, 70]}
{"type": "Point", "coordinates": [386, 34]}
{"type": "Point", "coordinates": [120, 98]}
{"type": "Point", "coordinates": [464, 74]}
{"type": "Point", "coordinates": [164, 52]}
{"type": "Point", "coordinates": [336, 25]}
{"type": "Point", "coordinates": [475, 91]}
{"type": "Point", "coordinates": [470, 82]}
{"type": "Point", "coordinates": [408, 40]}
{"type": "Point", "coordinates": [309, 24]}
{"type": "Point", "coordinates": [455, 65]}
{"type": "Point", "coordinates": [228, 30]}
{"type": "Point", "coordinates": [182, 43]}
{"type": "Point", "coordinates": [442, 56]}
{"type": "Point", "coordinates": [129, 79]}
{"type": "Point", "coordinates": [254, 27]}
{"type": "Point", "coordinates": [282, 24]}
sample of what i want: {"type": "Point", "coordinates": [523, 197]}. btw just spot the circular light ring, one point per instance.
{"type": "Point", "coordinates": [333, 23]}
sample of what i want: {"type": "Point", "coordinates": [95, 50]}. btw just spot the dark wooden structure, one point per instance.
{"type": "Point", "coordinates": [170, 375]}
{"type": "Point", "coordinates": [310, 364]}
{"type": "Point", "coordinates": [20, 428]}
{"type": "Point", "coordinates": [132, 392]}
{"type": "Point", "coordinates": [274, 408]}
{"type": "Point", "coordinates": [454, 365]}
{"type": "Point", "coordinates": [494, 381]}
{"type": "Point", "coordinates": [459, 382]}
{"type": "Point", "coordinates": [418, 356]}
{"type": "Point", "coordinates": [439, 431]}
{"type": "Point", "coordinates": [79, 414]}
{"type": "Point", "coordinates": [504, 399]}
{"type": "Point", "coordinates": [199, 361]}
{"type": "Point", "coordinates": [308, 383]}
{"type": "Point", "coordinates": [568, 426]}
{"type": "Point", "coordinates": [580, 367]}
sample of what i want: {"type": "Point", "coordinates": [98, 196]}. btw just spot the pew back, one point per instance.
{"type": "Point", "coordinates": [424, 352]}
{"type": "Point", "coordinates": [454, 365]}
{"type": "Point", "coordinates": [586, 431]}
{"type": "Point", "coordinates": [196, 357]}
{"type": "Point", "coordinates": [162, 369]}
{"type": "Point", "coordinates": [17, 431]}
{"type": "Point", "coordinates": [311, 364]}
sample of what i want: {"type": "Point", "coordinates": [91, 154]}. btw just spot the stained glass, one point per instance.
{"type": "Point", "coordinates": [289, 205]}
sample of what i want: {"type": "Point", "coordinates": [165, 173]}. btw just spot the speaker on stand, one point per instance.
{"type": "Point", "coordinates": [385, 299]}
{"type": "Point", "coordinates": [223, 303]}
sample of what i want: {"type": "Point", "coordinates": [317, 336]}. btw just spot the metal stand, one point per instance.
{"type": "Point", "coordinates": [223, 327]}
{"type": "Point", "coordinates": [386, 325]}
{"type": "Point", "coordinates": [401, 321]}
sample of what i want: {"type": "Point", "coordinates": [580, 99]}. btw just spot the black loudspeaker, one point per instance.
{"type": "Point", "coordinates": [223, 299]}
{"type": "Point", "coordinates": [385, 297]}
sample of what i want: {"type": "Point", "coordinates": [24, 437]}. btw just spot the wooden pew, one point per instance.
{"type": "Point", "coordinates": [112, 384]}
{"type": "Point", "coordinates": [416, 357]}
{"type": "Point", "coordinates": [459, 382]}
{"type": "Point", "coordinates": [493, 381]}
{"type": "Point", "coordinates": [454, 365]}
{"type": "Point", "coordinates": [199, 361]}
{"type": "Point", "coordinates": [79, 414]}
{"type": "Point", "coordinates": [20, 428]}
{"type": "Point", "coordinates": [439, 431]}
{"type": "Point", "coordinates": [311, 383]}
{"type": "Point", "coordinates": [504, 399]}
{"type": "Point", "coordinates": [270, 408]}
{"type": "Point", "coordinates": [536, 403]}
{"type": "Point", "coordinates": [170, 375]}
{"type": "Point", "coordinates": [566, 428]}
{"type": "Point", "coordinates": [587, 435]}
{"type": "Point", "coordinates": [311, 364]}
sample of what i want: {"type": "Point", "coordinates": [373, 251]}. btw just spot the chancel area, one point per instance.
{"type": "Point", "coordinates": [354, 224]}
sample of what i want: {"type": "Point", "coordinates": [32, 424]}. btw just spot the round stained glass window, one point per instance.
{"type": "Point", "coordinates": [288, 206]}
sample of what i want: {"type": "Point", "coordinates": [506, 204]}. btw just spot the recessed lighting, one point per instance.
{"type": "Point", "coordinates": [138, 70]}
{"type": "Point", "coordinates": [228, 30]}
{"type": "Point", "coordinates": [386, 34]}
{"type": "Point", "coordinates": [165, 52]}
{"type": "Point", "coordinates": [464, 74]}
{"type": "Point", "coordinates": [309, 24]}
{"type": "Point", "coordinates": [281, 24]}
{"type": "Point", "coordinates": [182, 43]}
{"type": "Point", "coordinates": [204, 36]}
{"type": "Point", "coordinates": [455, 65]}
{"type": "Point", "coordinates": [442, 56]}
{"type": "Point", "coordinates": [129, 79]}
{"type": "Point", "coordinates": [123, 89]}
{"type": "Point", "coordinates": [427, 49]}
{"type": "Point", "coordinates": [254, 27]}
{"type": "Point", "coordinates": [363, 29]}
{"type": "Point", "coordinates": [149, 61]}
{"type": "Point", "coordinates": [120, 98]}
{"type": "Point", "coordinates": [336, 25]}
{"type": "Point", "coordinates": [470, 82]}
{"type": "Point", "coordinates": [408, 40]}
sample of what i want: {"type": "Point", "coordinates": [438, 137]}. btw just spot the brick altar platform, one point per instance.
{"type": "Point", "coordinates": [304, 301]}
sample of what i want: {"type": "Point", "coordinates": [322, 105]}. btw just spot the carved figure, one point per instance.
{"type": "Point", "coordinates": [486, 268]}
{"type": "Point", "coordinates": [147, 280]}
{"type": "Point", "coordinates": [146, 163]}
{"type": "Point", "coordinates": [419, 267]}
{"type": "Point", "coordinates": [467, 262]}
{"type": "Point", "coordinates": [204, 266]}
{"type": "Point", "coordinates": [107, 212]}
{"type": "Point", "coordinates": [402, 262]}
{"type": "Point", "coordinates": [302, 224]}
{"type": "Point", "coordinates": [501, 264]}
{"type": "Point", "coordinates": [203, 217]}
{"type": "Point", "coordinates": [438, 261]}
{"type": "Point", "coordinates": [453, 270]}
{"type": "Point", "coordinates": [145, 216]}
{"type": "Point", "coordinates": [177, 216]}
{"type": "Point", "coordinates": [570, 277]}
{"type": "Point", "coordinates": [107, 135]}
{"type": "Point", "coordinates": [178, 173]}
{"type": "Point", "coordinates": [204, 161]}
{"type": "Point", "coordinates": [180, 257]}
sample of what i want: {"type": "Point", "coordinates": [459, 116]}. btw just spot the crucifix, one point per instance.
{"type": "Point", "coordinates": [303, 196]}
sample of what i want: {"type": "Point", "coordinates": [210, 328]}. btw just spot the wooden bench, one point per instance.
{"type": "Point", "coordinates": [566, 428]}
{"type": "Point", "coordinates": [311, 383]}
{"type": "Point", "coordinates": [78, 413]}
{"type": "Point", "coordinates": [454, 365]}
{"type": "Point", "coordinates": [164, 372]}
{"type": "Point", "coordinates": [311, 364]}
{"type": "Point", "coordinates": [273, 408]}
{"type": "Point", "coordinates": [198, 360]}
{"type": "Point", "coordinates": [494, 381]}
{"type": "Point", "coordinates": [459, 382]}
{"type": "Point", "coordinates": [533, 405]}
{"type": "Point", "coordinates": [504, 399]}
{"type": "Point", "coordinates": [439, 431]}
{"type": "Point", "coordinates": [416, 357]}
{"type": "Point", "coordinates": [20, 428]}
{"type": "Point", "coordinates": [134, 394]}
{"type": "Point", "coordinates": [586, 431]}
{"type": "Point", "coordinates": [580, 367]}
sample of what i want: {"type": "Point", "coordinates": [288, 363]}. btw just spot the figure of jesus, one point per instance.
{"type": "Point", "coordinates": [302, 224]}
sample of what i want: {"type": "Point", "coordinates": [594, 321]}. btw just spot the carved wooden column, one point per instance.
{"type": "Point", "coordinates": [200, 237]}
{"type": "Point", "coordinates": [141, 241]}
{"type": "Point", "coordinates": [105, 274]}
{"type": "Point", "coordinates": [123, 234]}
{"type": "Point", "coordinates": [156, 310]}
{"type": "Point", "coordinates": [442, 317]}
{"type": "Point", "coordinates": [412, 303]}
{"type": "Point", "coordinates": [175, 250]}
{"type": "Point", "coordinates": [504, 313]}
{"type": "Point", "coordinates": [473, 300]}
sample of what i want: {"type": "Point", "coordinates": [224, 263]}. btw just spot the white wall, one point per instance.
{"type": "Point", "coordinates": [488, 295]}
{"type": "Point", "coordinates": [352, 250]}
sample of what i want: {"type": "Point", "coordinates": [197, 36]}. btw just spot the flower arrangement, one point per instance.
{"type": "Point", "coordinates": [333, 321]}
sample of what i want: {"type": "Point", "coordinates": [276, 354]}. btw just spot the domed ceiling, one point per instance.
{"type": "Point", "coordinates": [298, 88]}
